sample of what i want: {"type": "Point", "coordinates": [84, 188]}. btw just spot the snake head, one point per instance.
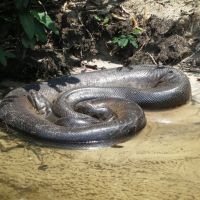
{"type": "Point", "coordinates": [40, 103]}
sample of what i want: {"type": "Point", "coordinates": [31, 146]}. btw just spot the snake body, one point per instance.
{"type": "Point", "coordinates": [107, 99]}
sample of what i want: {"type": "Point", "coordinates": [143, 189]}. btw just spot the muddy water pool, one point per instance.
{"type": "Point", "coordinates": [161, 162]}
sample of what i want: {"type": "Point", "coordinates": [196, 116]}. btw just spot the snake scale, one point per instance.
{"type": "Point", "coordinates": [96, 107]}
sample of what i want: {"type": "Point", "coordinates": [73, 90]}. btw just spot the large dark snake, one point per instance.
{"type": "Point", "coordinates": [94, 108]}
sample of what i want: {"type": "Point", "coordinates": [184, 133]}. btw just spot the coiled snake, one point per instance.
{"type": "Point", "coordinates": [94, 108]}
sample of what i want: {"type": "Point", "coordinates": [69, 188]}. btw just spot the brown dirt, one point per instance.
{"type": "Point", "coordinates": [170, 36]}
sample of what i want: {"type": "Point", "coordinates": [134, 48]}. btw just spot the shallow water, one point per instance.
{"type": "Point", "coordinates": [161, 162]}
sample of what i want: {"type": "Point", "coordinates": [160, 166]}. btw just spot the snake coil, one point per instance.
{"type": "Point", "coordinates": [94, 108]}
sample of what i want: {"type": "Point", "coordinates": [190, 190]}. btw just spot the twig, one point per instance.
{"type": "Point", "coordinates": [7, 149]}
{"type": "Point", "coordinates": [152, 58]}
{"type": "Point", "coordinates": [144, 18]}
{"type": "Point", "coordinates": [80, 20]}
{"type": "Point", "coordinates": [134, 22]}
{"type": "Point", "coordinates": [124, 10]}
{"type": "Point", "coordinates": [147, 39]}
{"type": "Point", "coordinates": [42, 6]}
{"type": "Point", "coordinates": [118, 17]}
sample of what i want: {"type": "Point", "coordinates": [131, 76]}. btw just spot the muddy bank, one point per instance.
{"type": "Point", "coordinates": [108, 30]}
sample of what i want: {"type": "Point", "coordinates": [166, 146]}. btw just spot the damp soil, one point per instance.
{"type": "Point", "coordinates": [162, 161]}
{"type": "Point", "coordinates": [169, 35]}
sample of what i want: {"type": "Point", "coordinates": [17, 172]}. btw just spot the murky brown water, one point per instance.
{"type": "Point", "coordinates": [162, 162]}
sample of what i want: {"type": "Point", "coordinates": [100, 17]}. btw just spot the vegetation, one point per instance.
{"type": "Point", "coordinates": [123, 40]}
{"type": "Point", "coordinates": [34, 24]}
{"type": "Point", "coordinates": [42, 41]}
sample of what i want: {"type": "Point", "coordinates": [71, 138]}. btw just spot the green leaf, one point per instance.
{"type": "Point", "coordinates": [97, 18]}
{"type": "Point", "coordinates": [115, 40]}
{"type": "Point", "coordinates": [137, 31]}
{"type": "Point", "coordinates": [40, 33]}
{"type": "Point", "coordinates": [27, 43]}
{"type": "Point", "coordinates": [134, 43]}
{"type": "Point", "coordinates": [123, 42]}
{"type": "Point", "coordinates": [27, 23]}
{"type": "Point", "coordinates": [106, 20]}
{"type": "Point", "coordinates": [130, 37]}
{"type": "Point", "coordinates": [45, 19]}
{"type": "Point", "coordinates": [122, 36]}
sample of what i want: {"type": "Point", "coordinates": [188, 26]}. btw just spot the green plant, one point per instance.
{"type": "Point", "coordinates": [123, 40]}
{"type": "Point", "coordinates": [35, 24]}
{"type": "Point", "coordinates": [103, 21]}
